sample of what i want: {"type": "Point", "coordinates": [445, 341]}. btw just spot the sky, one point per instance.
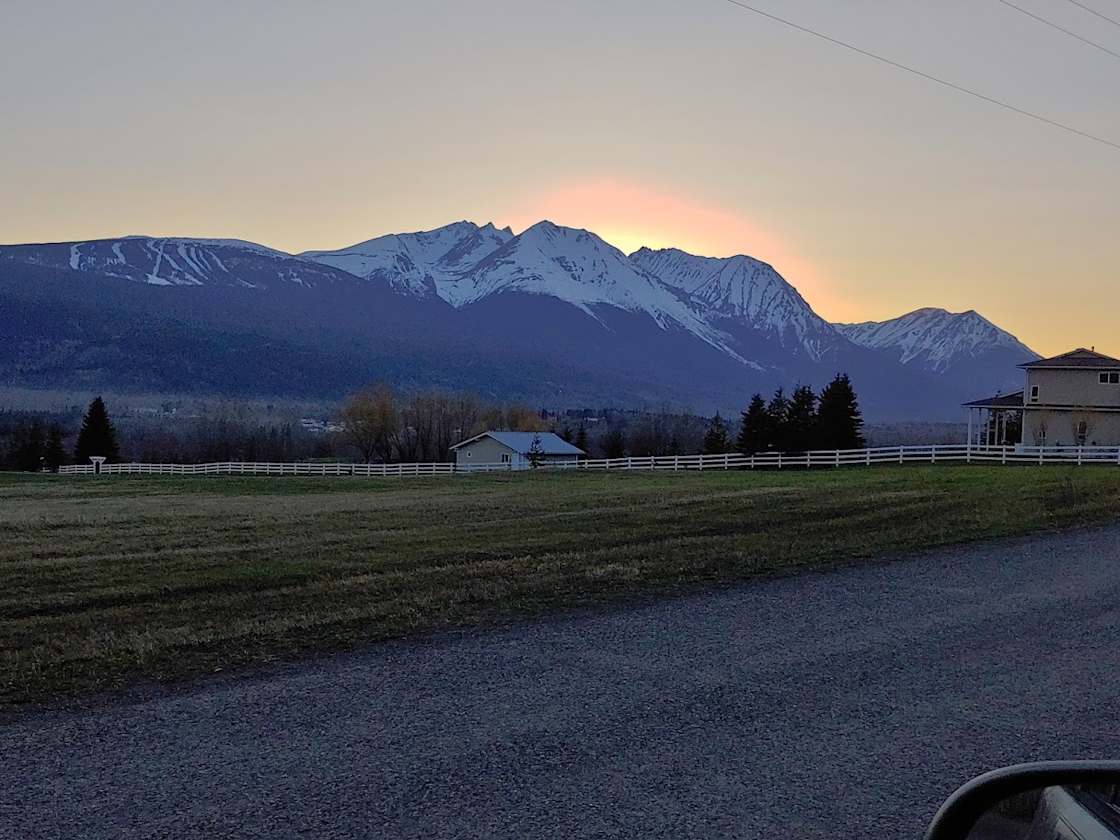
{"type": "Point", "coordinates": [691, 123]}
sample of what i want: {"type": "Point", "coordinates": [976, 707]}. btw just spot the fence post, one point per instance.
{"type": "Point", "coordinates": [779, 460]}
{"type": "Point", "coordinates": [867, 456]}
{"type": "Point", "coordinates": [1004, 459]}
{"type": "Point", "coordinates": [900, 452]}
{"type": "Point", "coordinates": [933, 454]}
{"type": "Point", "coordinates": [676, 463]}
{"type": "Point", "coordinates": [1040, 453]}
{"type": "Point", "coordinates": [837, 457]}
{"type": "Point", "coordinates": [726, 459]}
{"type": "Point", "coordinates": [1080, 449]}
{"type": "Point", "coordinates": [808, 459]}
{"type": "Point", "coordinates": [752, 461]}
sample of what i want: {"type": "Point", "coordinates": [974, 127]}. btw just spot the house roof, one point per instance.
{"type": "Point", "coordinates": [1079, 358]}
{"type": "Point", "coordinates": [520, 442]}
{"type": "Point", "coordinates": [1012, 400]}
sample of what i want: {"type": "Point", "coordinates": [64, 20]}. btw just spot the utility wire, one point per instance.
{"type": "Point", "coordinates": [943, 82]}
{"type": "Point", "coordinates": [1113, 21]}
{"type": "Point", "coordinates": [1053, 25]}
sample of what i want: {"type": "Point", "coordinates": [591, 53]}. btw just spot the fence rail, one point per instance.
{"type": "Point", "coordinates": [937, 454]}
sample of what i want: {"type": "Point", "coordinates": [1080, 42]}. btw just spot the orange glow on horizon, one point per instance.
{"type": "Point", "coordinates": [630, 216]}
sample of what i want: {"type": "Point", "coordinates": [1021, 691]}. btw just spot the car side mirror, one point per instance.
{"type": "Point", "coordinates": [1049, 800]}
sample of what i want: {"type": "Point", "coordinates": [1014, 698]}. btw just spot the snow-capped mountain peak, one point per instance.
{"type": "Point", "coordinates": [415, 263]}
{"type": "Point", "coordinates": [464, 263]}
{"type": "Point", "coordinates": [581, 269]}
{"type": "Point", "coordinates": [935, 339]}
{"type": "Point", "coordinates": [744, 290]}
{"type": "Point", "coordinates": [570, 264]}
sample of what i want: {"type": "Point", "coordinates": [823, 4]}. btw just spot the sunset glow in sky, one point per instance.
{"type": "Point", "coordinates": [631, 216]}
{"type": "Point", "coordinates": [649, 122]}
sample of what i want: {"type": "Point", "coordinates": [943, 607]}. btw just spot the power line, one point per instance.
{"type": "Point", "coordinates": [1062, 29]}
{"type": "Point", "coordinates": [943, 82]}
{"type": "Point", "coordinates": [1113, 21]}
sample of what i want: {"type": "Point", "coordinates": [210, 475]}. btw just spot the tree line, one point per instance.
{"type": "Point", "coordinates": [33, 445]}
{"type": "Point", "coordinates": [800, 422]}
{"type": "Point", "coordinates": [382, 425]}
{"type": "Point", "coordinates": [379, 424]}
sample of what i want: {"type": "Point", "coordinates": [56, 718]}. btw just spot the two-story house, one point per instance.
{"type": "Point", "coordinates": [1072, 400]}
{"type": "Point", "coordinates": [1068, 400]}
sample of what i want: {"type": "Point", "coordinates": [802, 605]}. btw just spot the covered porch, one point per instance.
{"type": "Point", "coordinates": [995, 421]}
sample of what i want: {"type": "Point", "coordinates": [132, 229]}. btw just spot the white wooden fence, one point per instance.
{"type": "Point", "coordinates": [939, 454]}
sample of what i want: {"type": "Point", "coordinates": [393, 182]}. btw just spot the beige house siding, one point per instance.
{"type": "Point", "coordinates": [1058, 427]}
{"type": "Point", "coordinates": [485, 450]}
{"type": "Point", "coordinates": [1063, 387]}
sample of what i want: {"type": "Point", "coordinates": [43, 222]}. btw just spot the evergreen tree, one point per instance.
{"type": "Point", "coordinates": [536, 452]}
{"type": "Point", "coordinates": [97, 436]}
{"type": "Point", "coordinates": [715, 439]}
{"type": "Point", "coordinates": [839, 422]}
{"type": "Point", "coordinates": [754, 430]}
{"type": "Point", "coordinates": [54, 455]}
{"type": "Point", "coordinates": [801, 420]}
{"type": "Point", "coordinates": [614, 444]}
{"type": "Point", "coordinates": [777, 418]}
{"type": "Point", "coordinates": [581, 437]}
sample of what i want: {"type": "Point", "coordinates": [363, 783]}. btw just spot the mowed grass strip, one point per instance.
{"type": "Point", "coordinates": [109, 581]}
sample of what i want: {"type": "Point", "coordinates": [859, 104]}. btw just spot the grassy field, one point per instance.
{"type": "Point", "coordinates": [110, 581]}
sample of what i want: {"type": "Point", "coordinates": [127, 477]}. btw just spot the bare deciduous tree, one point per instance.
{"type": "Point", "coordinates": [369, 422]}
{"type": "Point", "coordinates": [1081, 424]}
{"type": "Point", "coordinates": [1041, 428]}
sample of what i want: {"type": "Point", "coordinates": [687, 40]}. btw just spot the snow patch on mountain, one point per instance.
{"type": "Point", "coordinates": [175, 261]}
{"type": "Point", "coordinates": [935, 339]}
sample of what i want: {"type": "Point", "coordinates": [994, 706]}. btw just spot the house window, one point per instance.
{"type": "Point", "coordinates": [1034, 393]}
{"type": "Point", "coordinates": [1110, 378]}
{"type": "Point", "coordinates": [1082, 431]}
{"type": "Point", "coordinates": [505, 458]}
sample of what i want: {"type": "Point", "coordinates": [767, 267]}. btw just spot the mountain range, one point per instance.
{"type": "Point", "coordinates": [553, 315]}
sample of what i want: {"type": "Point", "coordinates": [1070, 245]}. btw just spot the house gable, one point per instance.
{"type": "Point", "coordinates": [485, 449]}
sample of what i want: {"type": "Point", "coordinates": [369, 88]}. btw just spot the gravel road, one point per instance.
{"type": "Point", "coordinates": [843, 704]}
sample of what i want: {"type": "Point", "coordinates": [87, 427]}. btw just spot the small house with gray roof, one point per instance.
{"type": "Point", "coordinates": [513, 448]}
